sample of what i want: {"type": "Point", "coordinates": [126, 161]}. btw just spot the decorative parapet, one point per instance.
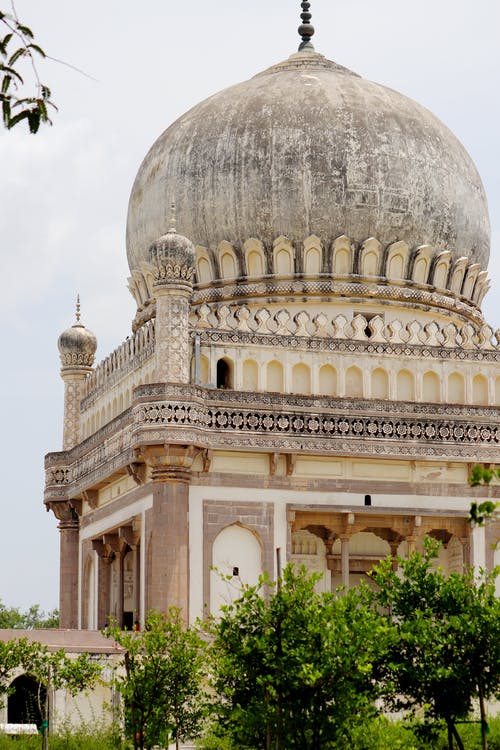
{"type": "Point", "coordinates": [130, 355]}
{"type": "Point", "coordinates": [375, 330]}
{"type": "Point", "coordinates": [202, 417]}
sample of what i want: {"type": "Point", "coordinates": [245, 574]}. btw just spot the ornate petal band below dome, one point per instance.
{"type": "Point", "coordinates": [308, 148]}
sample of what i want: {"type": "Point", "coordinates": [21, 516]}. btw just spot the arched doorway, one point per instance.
{"type": "Point", "coordinates": [23, 704]}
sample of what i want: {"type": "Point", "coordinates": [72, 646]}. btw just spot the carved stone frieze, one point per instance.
{"type": "Point", "coordinates": [417, 296]}
{"type": "Point", "coordinates": [187, 415]}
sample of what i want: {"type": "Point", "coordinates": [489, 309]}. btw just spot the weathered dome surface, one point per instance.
{"type": "Point", "coordinates": [308, 147]}
{"type": "Point", "coordinates": [77, 346]}
{"type": "Point", "coordinates": [173, 247]}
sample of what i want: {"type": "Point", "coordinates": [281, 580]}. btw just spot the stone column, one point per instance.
{"type": "Point", "coordinates": [172, 259]}
{"type": "Point", "coordinates": [344, 559]}
{"type": "Point", "coordinates": [169, 554]}
{"type": "Point", "coordinates": [68, 567]}
{"type": "Point", "coordinates": [132, 536]}
{"type": "Point", "coordinates": [105, 557]}
{"type": "Point", "coordinates": [73, 391]}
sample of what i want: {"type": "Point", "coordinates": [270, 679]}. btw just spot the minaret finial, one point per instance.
{"type": "Point", "coordinates": [306, 29]}
{"type": "Point", "coordinates": [77, 308]}
{"type": "Point", "coordinates": [172, 218]}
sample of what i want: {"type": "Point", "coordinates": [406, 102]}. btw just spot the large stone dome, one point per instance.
{"type": "Point", "coordinates": [308, 147]}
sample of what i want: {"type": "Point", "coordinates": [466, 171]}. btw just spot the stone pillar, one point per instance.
{"type": "Point", "coordinates": [73, 392]}
{"type": "Point", "coordinates": [344, 560]}
{"type": "Point", "coordinates": [132, 536]}
{"type": "Point", "coordinates": [172, 260]}
{"type": "Point", "coordinates": [105, 557]}
{"type": "Point", "coordinates": [169, 584]}
{"type": "Point", "coordinates": [68, 565]}
{"type": "Point", "coordinates": [394, 554]}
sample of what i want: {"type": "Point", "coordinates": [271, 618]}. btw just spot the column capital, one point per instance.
{"type": "Point", "coordinates": [65, 513]}
{"type": "Point", "coordinates": [170, 462]}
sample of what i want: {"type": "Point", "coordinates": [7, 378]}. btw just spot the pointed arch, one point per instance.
{"type": "Point", "coordinates": [354, 382]}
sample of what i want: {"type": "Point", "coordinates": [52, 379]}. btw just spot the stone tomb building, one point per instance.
{"type": "Point", "coordinates": [309, 367]}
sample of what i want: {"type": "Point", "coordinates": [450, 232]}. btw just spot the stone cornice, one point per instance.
{"type": "Point", "coordinates": [245, 421]}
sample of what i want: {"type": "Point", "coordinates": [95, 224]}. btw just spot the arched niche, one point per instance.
{"type": "Point", "coordinates": [370, 258]}
{"type": "Point", "coordinates": [380, 383]}
{"type": "Point", "coordinates": [283, 257]}
{"type": "Point", "coordinates": [250, 372]}
{"type": "Point", "coordinates": [313, 256]}
{"type": "Point", "coordinates": [458, 275]}
{"type": "Point", "coordinates": [431, 387]}
{"type": "Point", "coordinates": [480, 390]}
{"type": "Point", "coordinates": [422, 264]}
{"type": "Point", "coordinates": [255, 259]}
{"type": "Point", "coordinates": [354, 383]}
{"type": "Point", "coordinates": [470, 280]}
{"type": "Point", "coordinates": [405, 386]}
{"type": "Point", "coordinates": [203, 270]}
{"type": "Point", "coordinates": [301, 379]}
{"type": "Point", "coordinates": [327, 381]}
{"type": "Point", "coordinates": [342, 256]}
{"type": "Point", "coordinates": [228, 263]}
{"type": "Point", "coordinates": [397, 261]}
{"type": "Point", "coordinates": [441, 269]}
{"type": "Point", "coordinates": [236, 560]}
{"type": "Point", "coordinates": [456, 388]}
{"type": "Point", "coordinates": [148, 278]}
{"type": "Point", "coordinates": [275, 376]}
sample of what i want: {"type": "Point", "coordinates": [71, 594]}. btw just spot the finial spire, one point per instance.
{"type": "Point", "coordinates": [306, 29]}
{"type": "Point", "coordinates": [172, 218]}
{"type": "Point", "coordinates": [77, 308]}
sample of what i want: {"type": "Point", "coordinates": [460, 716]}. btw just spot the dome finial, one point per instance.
{"type": "Point", "coordinates": [306, 29]}
{"type": "Point", "coordinates": [172, 219]}
{"type": "Point", "coordinates": [77, 308]}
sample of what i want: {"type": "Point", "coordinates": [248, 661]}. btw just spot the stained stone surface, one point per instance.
{"type": "Point", "coordinates": [308, 147]}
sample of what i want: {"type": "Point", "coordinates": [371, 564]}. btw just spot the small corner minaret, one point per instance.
{"type": "Point", "coordinates": [77, 347]}
{"type": "Point", "coordinates": [172, 258]}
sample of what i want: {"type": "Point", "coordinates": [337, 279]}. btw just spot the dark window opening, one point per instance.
{"type": "Point", "coordinates": [23, 705]}
{"type": "Point", "coordinates": [128, 620]}
{"type": "Point", "coordinates": [368, 317]}
{"type": "Point", "coordinates": [223, 374]}
{"type": "Point", "coordinates": [368, 499]}
{"type": "Point", "coordinates": [236, 571]}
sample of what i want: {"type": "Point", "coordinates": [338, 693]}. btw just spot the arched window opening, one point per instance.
{"type": "Point", "coordinates": [223, 374]}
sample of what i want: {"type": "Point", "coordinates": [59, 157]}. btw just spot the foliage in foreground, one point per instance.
{"type": "Point", "coordinates": [18, 46]}
{"type": "Point", "coordinates": [445, 649]}
{"type": "Point", "coordinates": [294, 668]}
{"type": "Point", "coordinates": [162, 685]}
{"type": "Point", "coordinates": [383, 734]}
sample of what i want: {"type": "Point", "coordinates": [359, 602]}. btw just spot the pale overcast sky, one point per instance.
{"type": "Point", "coordinates": [64, 192]}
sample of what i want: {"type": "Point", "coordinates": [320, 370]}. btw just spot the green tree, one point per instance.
{"type": "Point", "coordinates": [162, 685]}
{"type": "Point", "coordinates": [486, 511]}
{"type": "Point", "coordinates": [51, 669]}
{"type": "Point", "coordinates": [445, 649]}
{"type": "Point", "coordinates": [34, 617]}
{"type": "Point", "coordinates": [293, 668]}
{"type": "Point", "coordinates": [18, 58]}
